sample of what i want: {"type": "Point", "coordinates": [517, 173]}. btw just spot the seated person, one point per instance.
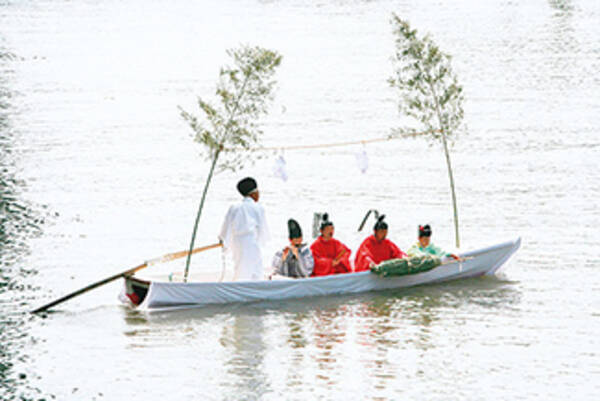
{"type": "Point", "coordinates": [424, 246]}
{"type": "Point", "coordinates": [331, 256]}
{"type": "Point", "coordinates": [295, 260]}
{"type": "Point", "coordinates": [376, 248]}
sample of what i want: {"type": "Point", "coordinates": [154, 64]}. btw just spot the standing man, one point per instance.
{"type": "Point", "coordinates": [331, 256]}
{"type": "Point", "coordinates": [295, 260]}
{"type": "Point", "coordinates": [245, 231]}
{"type": "Point", "coordinates": [376, 248]}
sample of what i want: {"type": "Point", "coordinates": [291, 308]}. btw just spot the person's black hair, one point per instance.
{"type": "Point", "coordinates": [246, 186]}
{"type": "Point", "coordinates": [380, 224]}
{"type": "Point", "coordinates": [424, 231]}
{"type": "Point", "coordinates": [325, 221]}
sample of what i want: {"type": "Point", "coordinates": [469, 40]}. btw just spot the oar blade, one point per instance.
{"type": "Point", "coordinates": [89, 288]}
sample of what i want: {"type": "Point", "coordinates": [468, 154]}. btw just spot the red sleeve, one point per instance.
{"type": "Point", "coordinates": [344, 266]}
{"type": "Point", "coordinates": [396, 252]}
{"type": "Point", "coordinates": [363, 257]}
{"type": "Point", "coordinates": [323, 265]}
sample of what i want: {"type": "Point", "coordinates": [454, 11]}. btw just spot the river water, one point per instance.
{"type": "Point", "coordinates": [99, 173]}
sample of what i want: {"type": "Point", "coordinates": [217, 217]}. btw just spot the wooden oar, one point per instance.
{"type": "Point", "coordinates": [176, 255]}
{"type": "Point", "coordinates": [128, 272]}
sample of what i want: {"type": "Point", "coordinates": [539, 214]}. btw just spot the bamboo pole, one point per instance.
{"type": "Point", "coordinates": [448, 163]}
{"type": "Point", "coordinates": [189, 255]}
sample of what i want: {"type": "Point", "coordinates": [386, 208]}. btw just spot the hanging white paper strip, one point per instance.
{"type": "Point", "coordinates": [362, 160]}
{"type": "Point", "coordinates": [279, 168]}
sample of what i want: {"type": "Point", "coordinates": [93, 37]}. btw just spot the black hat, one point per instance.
{"type": "Point", "coordinates": [246, 186]}
{"type": "Point", "coordinates": [424, 231]}
{"type": "Point", "coordinates": [325, 221]}
{"type": "Point", "coordinates": [294, 229]}
{"type": "Point", "coordinates": [380, 225]}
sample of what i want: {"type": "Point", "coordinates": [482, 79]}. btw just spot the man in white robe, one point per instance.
{"type": "Point", "coordinates": [245, 231]}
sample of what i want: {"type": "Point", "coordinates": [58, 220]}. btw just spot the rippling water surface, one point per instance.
{"type": "Point", "coordinates": [98, 172]}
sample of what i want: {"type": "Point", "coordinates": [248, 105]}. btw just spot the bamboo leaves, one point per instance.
{"type": "Point", "coordinates": [424, 78]}
{"type": "Point", "coordinates": [429, 91]}
{"type": "Point", "coordinates": [244, 90]}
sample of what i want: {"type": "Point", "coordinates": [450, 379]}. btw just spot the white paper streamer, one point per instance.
{"type": "Point", "coordinates": [362, 160]}
{"type": "Point", "coordinates": [279, 168]}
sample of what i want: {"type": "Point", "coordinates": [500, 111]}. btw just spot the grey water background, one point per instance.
{"type": "Point", "coordinates": [98, 173]}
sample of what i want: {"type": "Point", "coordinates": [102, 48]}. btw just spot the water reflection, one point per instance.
{"type": "Point", "coordinates": [562, 6]}
{"type": "Point", "coordinates": [562, 45]}
{"type": "Point", "coordinates": [19, 221]}
{"type": "Point", "coordinates": [246, 377]}
{"type": "Point", "coordinates": [9, 213]}
{"type": "Point", "coordinates": [267, 345]}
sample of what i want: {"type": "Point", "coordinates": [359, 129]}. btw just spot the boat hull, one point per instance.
{"type": "Point", "coordinates": [157, 295]}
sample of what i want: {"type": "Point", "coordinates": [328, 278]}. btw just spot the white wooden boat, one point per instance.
{"type": "Point", "coordinates": [160, 295]}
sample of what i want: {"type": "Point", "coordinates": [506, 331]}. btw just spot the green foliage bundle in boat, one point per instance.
{"type": "Point", "coordinates": [406, 266]}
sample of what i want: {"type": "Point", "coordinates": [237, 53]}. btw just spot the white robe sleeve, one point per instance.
{"type": "Point", "coordinates": [264, 234]}
{"type": "Point", "coordinates": [226, 235]}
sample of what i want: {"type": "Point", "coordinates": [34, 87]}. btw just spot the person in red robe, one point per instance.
{"type": "Point", "coordinates": [376, 248]}
{"type": "Point", "coordinates": [330, 255]}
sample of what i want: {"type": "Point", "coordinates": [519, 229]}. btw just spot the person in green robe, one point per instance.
{"type": "Point", "coordinates": [424, 246]}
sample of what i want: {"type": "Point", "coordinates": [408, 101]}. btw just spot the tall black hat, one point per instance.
{"type": "Point", "coordinates": [424, 231]}
{"type": "Point", "coordinates": [247, 186]}
{"type": "Point", "coordinates": [325, 221]}
{"type": "Point", "coordinates": [380, 225]}
{"type": "Point", "coordinates": [294, 229]}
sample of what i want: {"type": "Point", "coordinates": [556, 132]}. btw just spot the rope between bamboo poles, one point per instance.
{"type": "Point", "coordinates": [338, 144]}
